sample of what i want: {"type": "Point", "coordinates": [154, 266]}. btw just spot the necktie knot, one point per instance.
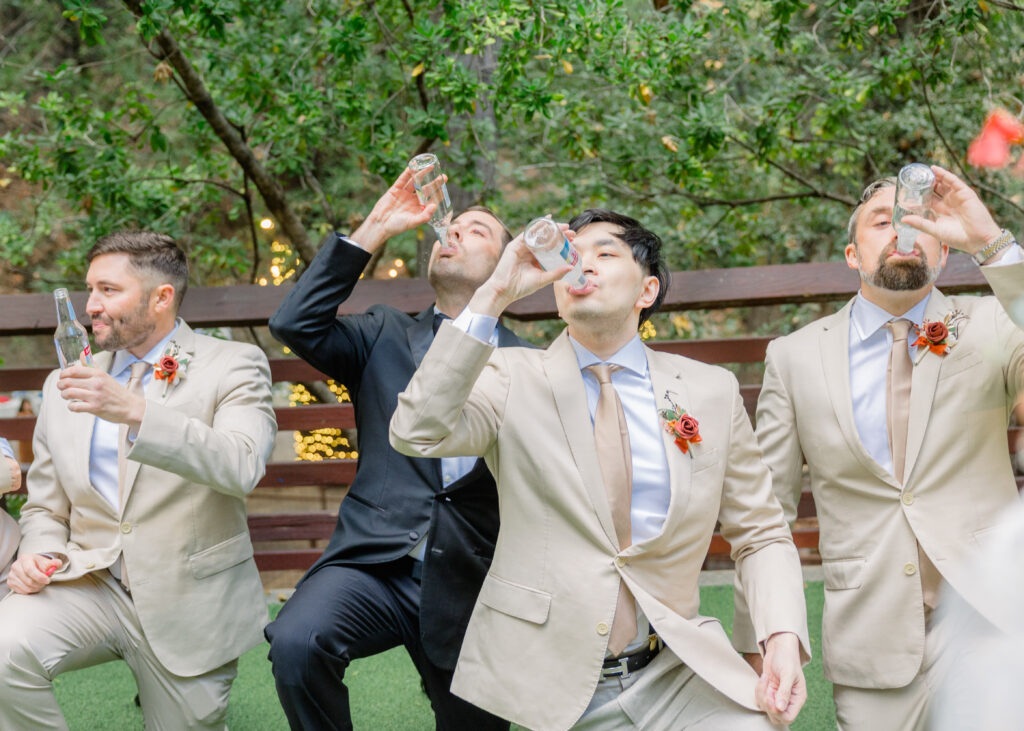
{"type": "Point", "coordinates": [900, 328]}
{"type": "Point", "coordinates": [603, 372]}
{"type": "Point", "coordinates": [439, 317]}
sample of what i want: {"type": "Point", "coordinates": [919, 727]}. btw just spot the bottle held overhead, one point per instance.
{"type": "Point", "coordinates": [914, 189]}
{"type": "Point", "coordinates": [551, 248]}
{"type": "Point", "coordinates": [430, 188]}
{"type": "Point", "coordinates": [70, 337]}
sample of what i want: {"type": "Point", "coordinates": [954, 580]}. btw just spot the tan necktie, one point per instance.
{"type": "Point", "coordinates": [897, 407]}
{"type": "Point", "coordinates": [134, 386]}
{"type": "Point", "coordinates": [611, 435]}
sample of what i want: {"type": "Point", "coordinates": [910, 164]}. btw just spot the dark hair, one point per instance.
{"type": "Point", "coordinates": [506, 235]}
{"type": "Point", "coordinates": [149, 253]}
{"type": "Point", "coordinates": [645, 245]}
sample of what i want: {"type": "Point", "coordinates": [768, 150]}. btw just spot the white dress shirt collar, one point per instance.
{"type": "Point", "coordinates": [630, 356]}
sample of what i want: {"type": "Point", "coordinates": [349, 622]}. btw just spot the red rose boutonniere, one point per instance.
{"type": "Point", "coordinates": [171, 366]}
{"type": "Point", "coordinates": [939, 336]}
{"type": "Point", "coordinates": [681, 425]}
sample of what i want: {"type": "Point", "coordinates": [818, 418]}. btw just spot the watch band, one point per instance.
{"type": "Point", "coordinates": [1004, 240]}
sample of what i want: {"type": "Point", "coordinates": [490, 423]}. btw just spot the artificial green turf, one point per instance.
{"type": "Point", "coordinates": [384, 690]}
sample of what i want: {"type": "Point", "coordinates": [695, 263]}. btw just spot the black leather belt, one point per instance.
{"type": "Point", "coordinates": [625, 665]}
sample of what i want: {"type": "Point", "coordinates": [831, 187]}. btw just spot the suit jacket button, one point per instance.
{"type": "Point", "coordinates": [126, 527]}
{"type": "Point", "coordinates": [910, 569]}
{"type": "Point", "coordinates": [414, 536]}
{"type": "Point", "coordinates": [602, 628]}
{"type": "Point", "coordinates": [90, 565]}
{"type": "Point", "coordinates": [620, 561]}
{"type": "Point", "coordinates": [908, 498]}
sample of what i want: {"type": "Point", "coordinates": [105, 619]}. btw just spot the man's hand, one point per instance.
{"type": "Point", "coordinates": [781, 691]}
{"type": "Point", "coordinates": [31, 572]}
{"type": "Point", "coordinates": [397, 211]}
{"type": "Point", "coordinates": [755, 661]}
{"type": "Point", "coordinates": [517, 275]}
{"type": "Point", "coordinates": [92, 391]}
{"type": "Point", "coordinates": [961, 220]}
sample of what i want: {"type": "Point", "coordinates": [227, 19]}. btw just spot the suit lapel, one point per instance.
{"type": "Point", "coordinates": [563, 372]}
{"type": "Point", "coordinates": [835, 362]}
{"type": "Point", "coordinates": [161, 393]}
{"type": "Point", "coordinates": [669, 385]}
{"type": "Point", "coordinates": [421, 335]}
{"type": "Point", "coordinates": [922, 389]}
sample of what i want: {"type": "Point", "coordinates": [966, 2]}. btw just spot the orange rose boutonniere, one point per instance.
{"type": "Point", "coordinates": [939, 336]}
{"type": "Point", "coordinates": [171, 366]}
{"type": "Point", "coordinates": [683, 427]}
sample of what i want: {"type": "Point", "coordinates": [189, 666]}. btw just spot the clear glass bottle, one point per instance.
{"type": "Point", "coordinates": [914, 187]}
{"type": "Point", "coordinates": [70, 337]}
{"type": "Point", "coordinates": [551, 248]}
{"type": "Point", "coordinates": [431, 188]}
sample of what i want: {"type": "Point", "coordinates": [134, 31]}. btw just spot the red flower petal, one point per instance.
{"type": "Point", "coordinates": [989, 150]}
{"type": "Point", "coordinates": [1007, 125]}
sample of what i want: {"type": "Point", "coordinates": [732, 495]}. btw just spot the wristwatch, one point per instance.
{"type": "Point", "coordinates": [1004, 240]}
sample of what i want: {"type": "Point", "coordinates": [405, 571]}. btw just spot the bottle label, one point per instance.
{"type": "Point", "coordinates": [88, 351]}
{"type": "Point", "coordinates": [568, 253]}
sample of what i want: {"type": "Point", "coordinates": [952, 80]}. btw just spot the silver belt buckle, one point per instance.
{"type": "Point", "coordinates": [621, 672]}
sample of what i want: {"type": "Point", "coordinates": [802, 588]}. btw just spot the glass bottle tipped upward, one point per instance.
{"type": "Point", "coordinates": [551, 248]}
{"type": "Point", "coordinates": [430, 188]}
{"type": "Point", "coordinates": [914, 187]}
{"type": "Point", "coordinates": [70, 338]}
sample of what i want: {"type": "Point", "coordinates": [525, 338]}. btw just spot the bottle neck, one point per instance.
{"type": "Point", "coordinates": [65, 310]}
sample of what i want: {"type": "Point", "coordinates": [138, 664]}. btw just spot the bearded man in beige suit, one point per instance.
{"type": "Point", "coordinates": [602, 537]}
{"type": "Point", "coordinates": [145, 558]}
{"type": "Point", "coordinates": [903, 428]}
{"type": "Point", "coordinates": [10, 480]}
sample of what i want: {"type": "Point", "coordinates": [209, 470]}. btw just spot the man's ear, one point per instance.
{"type": "Point", "coordinates": [162, 297]}
{"type": "Point", "coordinates": [852, 256]}
{"type": "Point", "coordinates": [649, 292]}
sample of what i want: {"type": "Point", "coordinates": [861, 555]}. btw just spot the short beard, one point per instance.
{"type": "Point", "coordinates": [129, 331]}
{"type": "Point", "coordinates": [902, 276]}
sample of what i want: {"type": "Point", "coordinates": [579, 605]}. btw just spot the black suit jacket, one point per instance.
{"type": "Point", "coordinates": [393, 499]}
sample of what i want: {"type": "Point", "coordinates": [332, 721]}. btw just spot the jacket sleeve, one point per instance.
{"type": "Point", "coordinates": [768, 573]}
{"type": "Point", "coordinates": [307, 320]}
{"type": "Point", "coordinates": [45, 516]}
{"type": "Point", "coordinates": [230, 453]}
{"type": "Point", "coordinates": [455, 402]}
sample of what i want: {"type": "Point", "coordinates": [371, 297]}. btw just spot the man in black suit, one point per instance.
{"type": "Point", "coordinates": [415, 536]}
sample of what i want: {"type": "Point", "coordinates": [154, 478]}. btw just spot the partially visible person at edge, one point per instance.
{"type": "Point", "coordinates": [899, 404]}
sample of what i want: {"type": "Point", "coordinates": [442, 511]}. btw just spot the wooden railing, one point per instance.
{"type": "Point", "coordinates": [244, 306]}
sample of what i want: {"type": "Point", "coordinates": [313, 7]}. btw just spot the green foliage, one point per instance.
{"type": "Point", "coordinates": [739, 130]}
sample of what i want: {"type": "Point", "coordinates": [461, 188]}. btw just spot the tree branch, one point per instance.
{"type": "Point", "coordinates": [845, 199]}
{"type": "Point", "coordinates": [270, 189]}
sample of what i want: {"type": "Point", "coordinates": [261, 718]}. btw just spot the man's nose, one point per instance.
{"type": "Point", "coordinates": [92, 305]}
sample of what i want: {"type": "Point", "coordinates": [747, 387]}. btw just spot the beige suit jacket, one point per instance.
{"type": "Point", "coordinates": [958, 483]}
{"type": "Point", "coordinates": [181, 524]}
{"type": "Point", "coordinates": [539, 631]}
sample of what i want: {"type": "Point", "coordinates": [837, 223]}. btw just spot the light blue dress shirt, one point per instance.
{"type": "Point", "coordinates": [5, 448]}
{"type": "Point", "coordinates": [103, 451]}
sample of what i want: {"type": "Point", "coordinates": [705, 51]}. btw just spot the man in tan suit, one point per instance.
{"type": "Point", "coordinates": [602, 537]}
{"type": "Point", "coordinates": [903, 428]}
{"type": "Point", "coordinates": [10, 480]}
{"type": "Point", "coordinates": [145, 558]}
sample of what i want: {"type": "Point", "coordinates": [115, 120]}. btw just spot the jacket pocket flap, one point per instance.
{"type": "Point", "coordinates": [221, 556]}
{"type": "Point", "coordinates": [515, 600]}
{"type": "Point", "coordinates": [843, 573]}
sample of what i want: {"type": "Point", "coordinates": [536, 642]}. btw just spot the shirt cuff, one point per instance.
{"type": "Point", "coordinates": [1014, 255]}
{"type": "Point", "coordinates": [479, 326]}
{"type": "Point", "coordinates": [356, 244]}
